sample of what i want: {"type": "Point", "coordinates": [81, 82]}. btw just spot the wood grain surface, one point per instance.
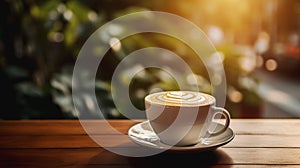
{"type": "Point", "coordinates": [64, 143]}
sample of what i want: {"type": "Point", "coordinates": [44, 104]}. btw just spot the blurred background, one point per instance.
{"type": "Point", "coordinates": [258, 40]}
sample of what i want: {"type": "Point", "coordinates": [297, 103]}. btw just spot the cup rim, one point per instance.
{"type": "Point", "coordinates": [207, 103]}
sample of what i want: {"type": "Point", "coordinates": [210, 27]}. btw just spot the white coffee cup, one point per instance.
{"type": "Point", "coordinates": [182, 118]}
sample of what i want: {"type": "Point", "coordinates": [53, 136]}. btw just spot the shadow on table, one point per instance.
{"type": "Point", "coordinates": [204, 159]}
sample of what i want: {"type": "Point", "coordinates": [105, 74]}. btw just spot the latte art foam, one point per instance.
{"type": "Point", "coordinates": [179, 98]}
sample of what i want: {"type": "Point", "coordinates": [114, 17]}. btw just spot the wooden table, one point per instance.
{"type": "Point", "coordinates": [64, 143]}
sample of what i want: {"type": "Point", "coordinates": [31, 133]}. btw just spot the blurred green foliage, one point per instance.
{"type": "Point", "coordinates": [40, 40]}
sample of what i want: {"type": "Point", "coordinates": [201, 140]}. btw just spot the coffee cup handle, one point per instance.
{"type": "Point", "coordinates": [225, 113]}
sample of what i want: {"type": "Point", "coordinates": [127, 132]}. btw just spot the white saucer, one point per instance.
{"type": "Point", "coordinates": [143, 135]}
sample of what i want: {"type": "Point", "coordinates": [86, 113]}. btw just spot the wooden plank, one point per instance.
{"type": "Point", "coordinates": [84, 141]}
{"type": "Point", "coordinates": [60, 141]}
{"type": "Point", "coordinates": [258, 143]}
{"type": "Point", "coordinates": [63, 127]}
{"type": "Point", "coordinates": [276, 156]}
{"type": "Point", "coordinates": [197, 166]}
{"type": "Point", "coordinates": [99, 156]}
{"type": "Point", "coordinates": [73, 127]}
{"type": "Point", "coordinates": [189, 165]}
{"type": "Point", "coordinates": [14, 165]}
{"type": "Point", "coordinates": [266, 126]}
{"type": "Point", "coordinates": [267, 141]}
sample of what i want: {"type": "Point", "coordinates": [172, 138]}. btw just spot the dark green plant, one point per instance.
{"type": "Point", "coordinates": [40, 40]}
